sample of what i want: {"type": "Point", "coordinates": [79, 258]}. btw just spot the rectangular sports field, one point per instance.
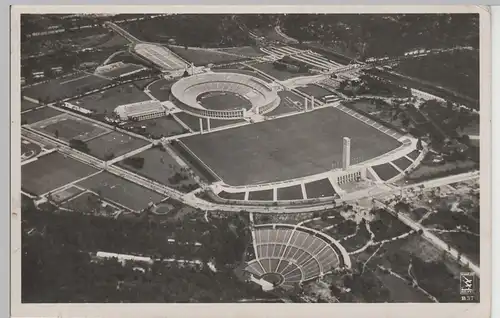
{"type": "Point", "coordinates": [286, 148]}
{"type": "Point", "coordinates": [52, 171]}
{"type": "Point", "coordinates": [106, 101]}
{"type": "Point", "coordinates": [121, 191]}
{"type": "Point", "coordinates": [68, 127]}
{"type": "Point", "coordinates": [115, 144]}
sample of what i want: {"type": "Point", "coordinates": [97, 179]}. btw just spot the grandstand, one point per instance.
{"type": "Point", "coordinates": [262, 97]}
{"type": "Point", "coordinates": [289, 254]}
{"type": "Point", "coordinates": [140, 111]}
{"type": "Point", "coordinates": [160, 56]}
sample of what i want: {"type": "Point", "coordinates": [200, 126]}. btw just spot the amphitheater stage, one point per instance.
{"type": "Point", "coordinates": [288, 147]}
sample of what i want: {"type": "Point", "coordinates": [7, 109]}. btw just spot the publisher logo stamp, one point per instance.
{"type": "Point", "coordinates": [467, 284]}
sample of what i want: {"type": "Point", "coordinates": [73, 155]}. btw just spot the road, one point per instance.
{"type": "Point", "coordinates": [122, 32]}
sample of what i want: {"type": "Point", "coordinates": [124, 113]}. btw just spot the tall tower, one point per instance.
{"type": "Point", "coordinates": [346, 153]}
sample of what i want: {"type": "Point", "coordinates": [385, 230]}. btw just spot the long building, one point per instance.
{"type": "Point", "coordinates": [141, 111]}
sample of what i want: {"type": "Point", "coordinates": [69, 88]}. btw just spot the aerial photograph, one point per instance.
{"type": "Point", "coordinates": [250, 158]}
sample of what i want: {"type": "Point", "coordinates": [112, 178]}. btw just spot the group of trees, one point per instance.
{"type": "Point", "coordinates": [288, 63]}
{"type": "Point", "coordinates": [456, 70]}
{"type": "Point", "coordinates": [57, 265]}
{"type": "Point", "coordinates": [373, 85]}
{"type": "Point", "coordinates": [135, 162]}
{"type": "Point", "coordinates": [80, 145]}
{"type": "Point", "coordinates": [374, 34]}
{"type": "Point", "coordinates": [210, 30]}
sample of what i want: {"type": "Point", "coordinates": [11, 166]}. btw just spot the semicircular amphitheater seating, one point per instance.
{"type": "Point", "coordinates": [293, 254]}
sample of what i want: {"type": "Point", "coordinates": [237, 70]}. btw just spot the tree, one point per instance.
{"type": "Point", "coordinates": [419, 144]}
{"type": "Point", "coordinates": [79, 145]}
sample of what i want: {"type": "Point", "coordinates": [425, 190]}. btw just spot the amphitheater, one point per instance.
{"type": "Point", "coordinates": [261, 96]}
{"type": "Point", "coordinates": [288, 254]}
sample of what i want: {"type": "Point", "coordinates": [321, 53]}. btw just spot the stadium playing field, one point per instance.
{"type": "Point", "coordinates": [286, 148]}
{"type": "Point", "coordinates": [223, 100]}
{"type": "Point", "coordinates": [67, 127]}
{"type": "Point", "coordinates": [52, 171]}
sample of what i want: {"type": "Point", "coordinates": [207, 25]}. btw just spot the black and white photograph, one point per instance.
{"type": "Point", "coordinates": [250, 158]}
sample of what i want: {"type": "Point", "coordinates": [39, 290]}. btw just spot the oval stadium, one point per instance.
{"type": "Point", "coordinates": [232, 94]}
{"type": "Point", "coordinates": [288, 254]}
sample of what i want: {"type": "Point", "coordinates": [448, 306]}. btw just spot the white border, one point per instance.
{"type": "Point", "coordinates": [244, 310]}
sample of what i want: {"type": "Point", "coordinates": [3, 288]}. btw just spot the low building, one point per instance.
{"type": "Point", "coordinates": [141, 111]}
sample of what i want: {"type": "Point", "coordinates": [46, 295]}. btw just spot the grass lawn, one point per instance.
{"type": "Point", "coordinates": [161, 167]}
{"type": "Point", "coordinates": [26, 105]}
{"type": "Point", "coordinates": [402, 163]}
{"type": "Point", "coordinates": [36, 115]}
{"type": "Point", "coordinates": [288, 147]}
{"type": "Point", "coordinates": [106, 101]}
{"type": "Point", "coordinates": [385, 171]}
{"type": "Point", "coordinates": [127, 68]}
{"type": "Point", "coordinates": [157, 127]}
{"type": "Point", "coordinates": [414, 154]}
{"type": "Point", "coordinates": [232, 196]}
{"type": "Point", "coordinates": [264, 195]}
{"type": "Point", "coordinates": [52, 171]}
{"type": "Point", "coordinates": [114, 143]}
{"type": "Point", "coordinates": [290, 193]}
{"type": "Point", "coordinates": [315, 90]}
{"type": "Point", "coordinates": [29, 149]}
{"type": "Point", "coordinates": [280, 75]}
{"type": "Point", "coordinates": [68, 127]}
{"type": "Point", "coordinates": [67, 86]}
{"type": "Point", "coordinates": [160, 89]}
{"type": "Point", "coordinates": [319, 189]}
{"type": "Point", "coordinates": [290, 102]}
{"type": "Point", "coordinates": [121, 191]}
{"type": "Point", "coordinates": [249, 51]}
